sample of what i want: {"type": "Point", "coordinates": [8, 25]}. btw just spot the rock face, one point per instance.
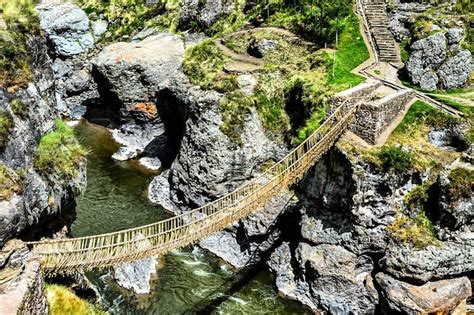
{"type": "Point", "coordinates": [21, 281]}
{"type": "Point", "coordinates": [432, 297]}
{"type": "Point", "coordinates": [67, 28]}
{"type": "Point", "coordinates": [42, 198]}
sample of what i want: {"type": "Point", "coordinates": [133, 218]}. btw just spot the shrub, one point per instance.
{"type": "Point", "coordinates": [395, 158]}
{"type": "Point", "coordinates": [418, 232]}
{"type": "Point", "coordinates": [461, 183]}
{"type": "Point", "coordinates": [10, 182]}
{"type": "Point", "coordinates": [19, 108]}
{"type": "Point", "coordinates": [59, 153]}
{"type": "Point", "coordinates": [6, 127]}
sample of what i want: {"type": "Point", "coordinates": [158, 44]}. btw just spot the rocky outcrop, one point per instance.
{"type": "Point", "coordinates": [437, 58]}
{"type": "Point", "coordinates": [130, 75]}
{"type": "Point", "coordinates": [433, 262]}
{"type": "Point", "coordinates": [205, 13]}
{"type": "Point", "coordinates": [42, 198]}
{"type": "Point", "coordinates": [21, 281]}
{"type": "Point", "coordinates": [66, 27]}
{"type": "Point", "coordinates": [433, 297]}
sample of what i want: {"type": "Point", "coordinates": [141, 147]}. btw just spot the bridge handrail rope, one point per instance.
{"type": "Point", "coordinates": [160, 237]}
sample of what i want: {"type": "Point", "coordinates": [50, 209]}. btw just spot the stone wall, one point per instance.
{"type": "Point", "coordinates": [374, 117]}
{"type": "Point", "coordinates": [354, 94]}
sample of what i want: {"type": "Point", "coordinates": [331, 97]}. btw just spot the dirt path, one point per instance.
{"type": "Point", "coordinates": [245, 62]}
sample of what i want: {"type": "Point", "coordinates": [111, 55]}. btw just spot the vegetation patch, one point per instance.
{"type": "Point", "coordinates": [6, 128]}
{"type": "Point", "coordinates": [461, 183]}
{"type": "Point", "coordinates": [19, 108]}
{"type": "Point", "coordinates": [395, 159]}
{"type": "Point", "coordinates": [203, 64]}
{"type": "Point", "coordinates": [59, 153]}
{"type": "Point", "coordinates": [417, 232]}
{"type": "Point", "coordinates": [61, 300]}
{"type": "Point", "coordinates": [10, 182]}
{"type": "Point", "coordinates": [20, 21]}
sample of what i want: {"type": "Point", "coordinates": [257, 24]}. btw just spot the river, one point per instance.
{"type": "Point", "coordinates": [189, 280]}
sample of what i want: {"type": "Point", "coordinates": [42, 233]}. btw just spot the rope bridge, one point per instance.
{"type": "Point", "coordinates": [83, 253]}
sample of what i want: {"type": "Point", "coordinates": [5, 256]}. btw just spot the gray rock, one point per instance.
{"type": "Point", "coordinates": [137, 275]}
{"type": "Point", "coordinates": [456, 70]}
{"type": "Point", "coordinates": [247, 83]}
{"type": "Point", "coordinates": [152, 164]}
{"type": "Point", "coordinates": [450, 258]}
{"type": "Point", "coordinates": [67, 28]}
{"type": "Point", "coordinates": [159, 192]}
{"type": "Point", "coordinates": [135, 138]}
{"type": "Point", "coordinates": [339, 281]}
{"type": "Point", "coordinates": [135, 70]}
{"type": "Point", "coordinates": [433, 297]}
{"type": "Point", "coordinates": [429, 81]}
{"type": "Point", "coordinates": [225, 245]}
{"type": "Point", "coordinates": [259, 48]}
{"type": "Point", "coordinates": [205, 13]}
{"type": "Point", "coordinates": [426, 56]}
{"type": "Point", "coordinates": [455, 35]}
{"type": "Point", "coordinates": [99, 27]}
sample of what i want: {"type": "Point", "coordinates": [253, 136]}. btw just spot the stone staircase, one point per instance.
{"type": "Point", "coordinates": [377, 18]}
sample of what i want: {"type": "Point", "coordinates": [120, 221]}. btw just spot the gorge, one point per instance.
{"type": "Point", "coordinates": [116, 115]}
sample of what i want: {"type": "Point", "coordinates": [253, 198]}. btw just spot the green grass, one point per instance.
{"type": "Point", "coordinates": [422, 113]}
{"type": "Point", "coordinates": [234, 109]}
{"type": "Point", "coordinates": [10, 183]}
{"type": "Point", "coordinates": [6, 127]}
{"type": "Point", "coordinates": [59, 153]}
{"type": "Point", "coordinates": [203, 64]}
{"type": "Point", "coordinates": [61, 300]}
{"type": "Point", "coordinates": [417, 197]}
{"type": "Point", "coordinates": [21, 21]}
{"type": "Point", "coordinates": [416, 232]}
{"type": "Point", "coordinates": [351, 52]}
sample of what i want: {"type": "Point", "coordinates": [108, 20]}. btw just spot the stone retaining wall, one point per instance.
{"type": "Point", "coordinates": [373, 118]}
{"type": "Point", "coordinates": [354, 94]}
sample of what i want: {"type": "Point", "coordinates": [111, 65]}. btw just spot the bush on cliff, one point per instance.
{"type": "Point", "coordinates": [395, 158]}
{"type": "Point", "coordinates": [18, 21]}
{"type": "Point", "coordinates": [59, 153]}
{"type": "Point", "coordinates": [10, 183]}
{"type": "Point", "coordinates": [6, 127]}
{"type": "Point", "coordinates": [417, 232]}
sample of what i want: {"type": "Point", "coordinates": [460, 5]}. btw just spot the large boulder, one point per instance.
{"type": "Point", "coordinates": [426, 55]}
{"type": "Point", "coordinates": [433, 297]}
{"type": "Point", "coordinates": [66, 27]}
{"type": "Point", "coordinates": [131, 72]}
{"type": "Point", "coordinates": [438, 61]}
{"type": "Point", "coordinates": [433, 262]}
{"type": "Point", "coordinates": [456, 70]}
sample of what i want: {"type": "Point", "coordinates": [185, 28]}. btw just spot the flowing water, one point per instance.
{"type": "Point", "coordinates": [189, 280]}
